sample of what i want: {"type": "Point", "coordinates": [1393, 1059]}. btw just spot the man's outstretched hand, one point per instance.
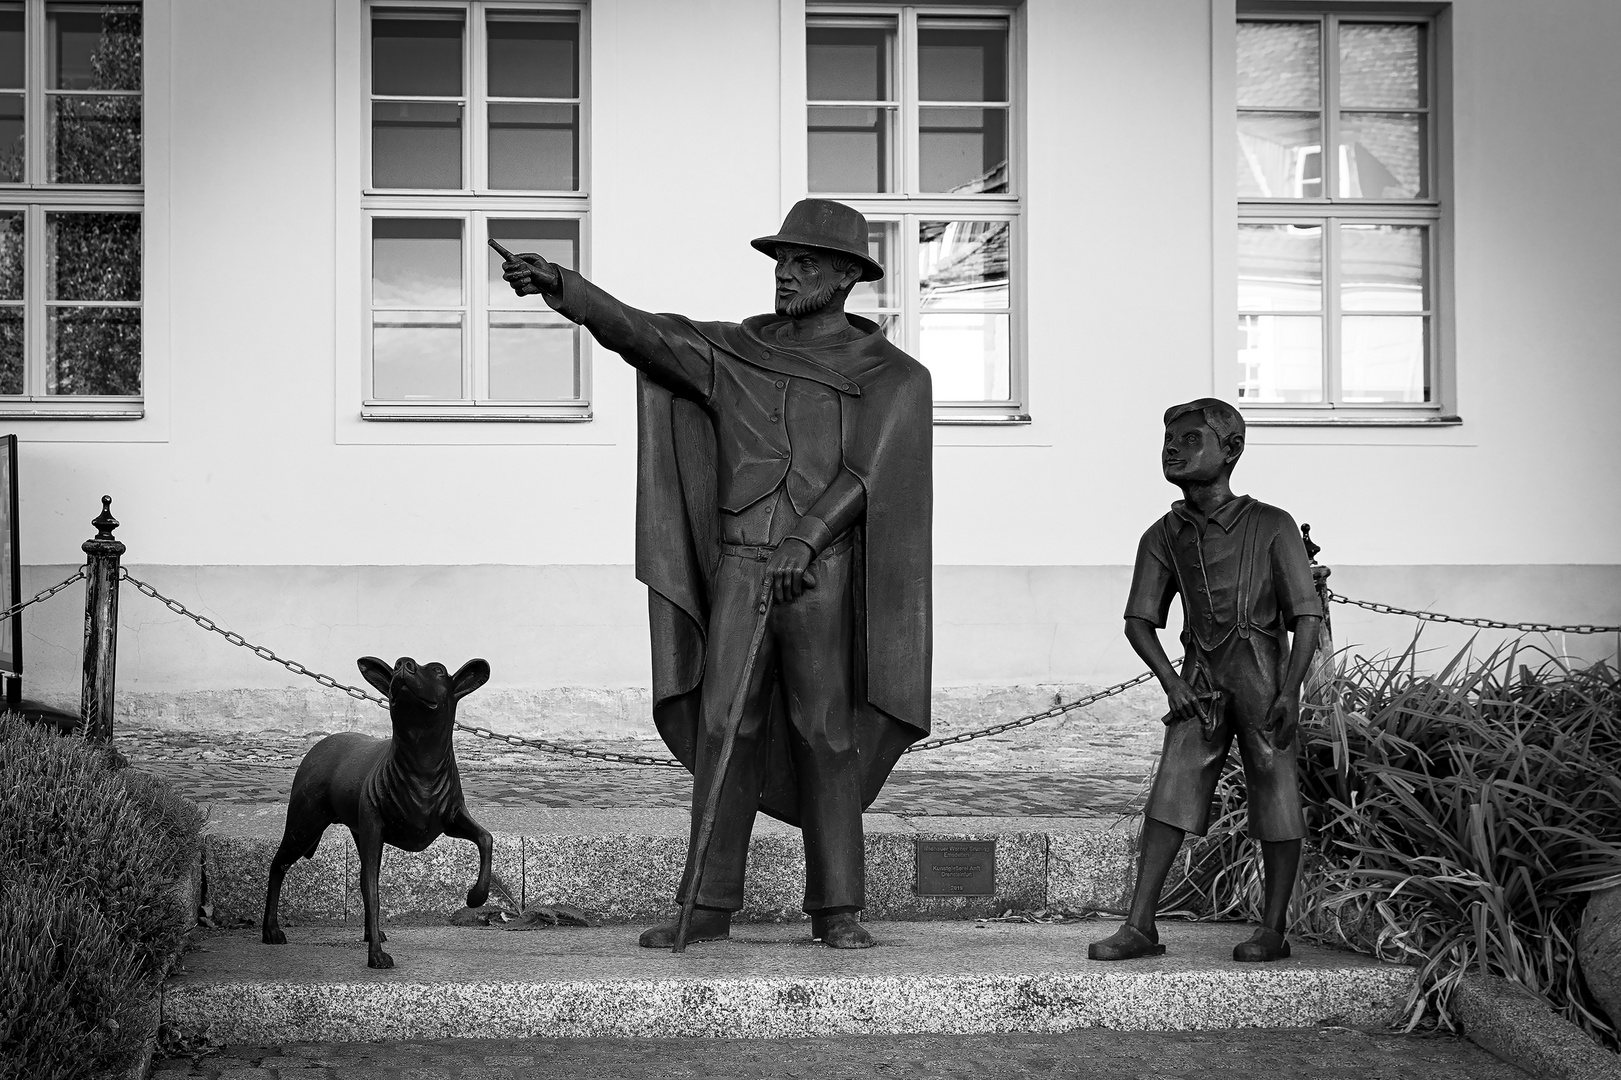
{"type": "Point", "coordinates": [787, 570]}
{"type": "Point", "coordinates": [529, 274]}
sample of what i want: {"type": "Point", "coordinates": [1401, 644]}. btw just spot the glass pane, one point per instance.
{"type": "Point", "coordinates": [883, 244]}
{"type": "Point", "coordinates": [1280, 268]}
{"type": "Point", "coordinates": [1280, 65]}
{"type": "Point", "coordinates": [416, 355]}
{"type": "Point", "coordinates": [534, 57]}
{"type": "Point", "coordinates": [962, 150]}
{"type": "Point", "coordinates": [416, 57]}
{"type": "Point", "coordinates": [94, 139]}
{"type": "Point", "coordinates": [962, 65]}
{"type": "Point", "coordinates": [416, 262]}
{"type": "Point", "coordinates": [416, 144]}
{"type": "Point", "coordinates": [12, 49]}
{"type": "Point", "coordinates": [93, 350]}
{"type": "Point", "coordinates": [1382, 267]}
{"type": "Point", "coordinates": [94, 47]}
{"type": "Point", "coordinates": [92, 256]}
{"type": "Point", "coordinates": [1280, 358]}
{"type": "Point", "coordinates": [11, 349]}
{"type": "Point", "coordinates": [534, 147]}
{"type": "Point", "coordinates": [11, 138]}
{"type": "Point", "coordinates": [554, 240]}
{"type": "Point", "coordinates": [1280, 156]}
{"type": "Point", "coordinates": [1382, 156]}
{"type": "Point", "coordinates": [533, 357]}
{"type": "Point", "coordinates": [851, 149]}
{"type": "Point", "coordinates": [850, 63]}
{"type": "Point", "coordinates": [1380, 67]}
{"type": "Point", "coordinates": [1382, 358]}
{"type": "Point", "coordinates": [967, 355]}
{"type": "Point", "coordinates": [963, 264]}
{"type": "Point", "coordinates": [11, 256]}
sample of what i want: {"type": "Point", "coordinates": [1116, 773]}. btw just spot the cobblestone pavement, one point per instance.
{"type": "Point", "coordinates": [258, 767]}
{"type": "Point", "coordinates": [1251, 1054]}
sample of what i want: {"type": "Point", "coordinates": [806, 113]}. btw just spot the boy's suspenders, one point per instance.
{"type": "Point", "coordinates": [1246, 570]}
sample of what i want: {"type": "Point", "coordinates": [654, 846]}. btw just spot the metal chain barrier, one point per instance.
{"type": "Point", "coordinates": [78, 575]}
{"type": "Point", "coordinates": [1484, 624]}
{"type": "Point", "coordinates": [1035, 718]}
{"type": "Point", "coordinates": [612, 757]}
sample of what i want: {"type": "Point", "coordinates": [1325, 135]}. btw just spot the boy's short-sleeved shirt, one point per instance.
{"type": "Point", "coordinates": [1209, 556]}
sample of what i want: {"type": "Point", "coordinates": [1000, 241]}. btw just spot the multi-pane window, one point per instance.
{"type": "Point", "coordinates": [1338, 213]}
{"type": "Point", "coordinates": [70, 208]}
{"type": "Point", "coordinates": [910, 118]}
{"type": "Point", "coordinates": [476, 133]}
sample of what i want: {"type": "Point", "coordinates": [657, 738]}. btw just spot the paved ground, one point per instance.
{"type": "Point", "coordinates": [1338, 1053]}
{"type": "Point", "coordinates": [258, 767]}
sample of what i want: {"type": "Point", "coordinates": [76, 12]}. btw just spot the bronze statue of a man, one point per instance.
{"type": "Point", "coordinates": [1246, 585]}
{"type": "Point", "coordinates": [793, 449]}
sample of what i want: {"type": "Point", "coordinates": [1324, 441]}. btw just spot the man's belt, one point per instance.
{"type": "Point", "coordinates": [762, 552]}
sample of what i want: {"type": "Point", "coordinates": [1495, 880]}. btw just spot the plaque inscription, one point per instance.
{"type": "Point", "coordinates": [956, 867]}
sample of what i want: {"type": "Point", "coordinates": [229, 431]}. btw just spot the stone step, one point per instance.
{"type": "Point", "coordinates": [622, 866]}
{"type": "Point", "coordinates": [768, 981]}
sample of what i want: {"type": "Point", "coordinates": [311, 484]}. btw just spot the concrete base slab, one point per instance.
{"type": "Point", "coordinates": [624, 865]}
{"type": "Point", "coordinates": [766, 982]}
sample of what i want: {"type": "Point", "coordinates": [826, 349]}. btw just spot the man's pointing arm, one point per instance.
{"type": "Point", "coordinates": [665, 347]}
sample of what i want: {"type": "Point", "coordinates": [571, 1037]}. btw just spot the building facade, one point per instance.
{"type": "Point", "coordinates": [247, 293]}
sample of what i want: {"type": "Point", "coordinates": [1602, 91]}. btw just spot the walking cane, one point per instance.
{"type": "Point", "coordinates": [699, 852]}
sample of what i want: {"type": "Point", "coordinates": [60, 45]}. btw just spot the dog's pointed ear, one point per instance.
{"type": "Point", "coordinates": [376, 672]}
{"type": "Point", "coordinates": [473, 674]}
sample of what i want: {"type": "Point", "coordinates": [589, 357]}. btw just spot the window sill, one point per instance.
{"type": "Point", "coordinates": [1330, 420]}
{"type": "Point", "coordinates": [964, 418]}
{"type": "Point", "coordinates": [570, 414]}
{"type": "Point", "coordinates": [98, 411]}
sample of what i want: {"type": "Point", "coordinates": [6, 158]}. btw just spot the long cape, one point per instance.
{"type": "Point", "coordinates": [888, 444]}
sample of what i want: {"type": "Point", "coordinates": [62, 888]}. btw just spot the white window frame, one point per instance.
{"type": "Point", "coordinates": [1330, 211]}
{"type": "Point", "coordinates": [909, 206]}
{"type": "Point", "coordinates": [36, 198]}
{"type": "Point", "coordinates": [474, 204]}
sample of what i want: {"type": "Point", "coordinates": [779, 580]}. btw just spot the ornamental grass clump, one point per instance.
{"type": "Point", "coordinates": [91, 908]}
{"type": "Point", "coordinates": [1459, 822]}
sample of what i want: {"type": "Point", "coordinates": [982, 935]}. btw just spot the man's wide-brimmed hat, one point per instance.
{"type": "Point", "coordinates": [828, 226]}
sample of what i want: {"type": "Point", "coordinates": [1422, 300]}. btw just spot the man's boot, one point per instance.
{"type": "Point", "coordinates": [840, 930]}
{"type": "Point", "coordinates": [708, 924]}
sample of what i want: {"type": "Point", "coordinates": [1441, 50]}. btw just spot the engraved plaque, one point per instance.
{"type": "Point", "coordinates": [956, 867]}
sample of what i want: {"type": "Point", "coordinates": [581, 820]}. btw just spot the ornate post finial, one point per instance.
{"type": "Point", "coordinates": [104, 522]}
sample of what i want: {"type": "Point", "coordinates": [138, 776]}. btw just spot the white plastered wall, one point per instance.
{"type": "Point", "coordinates": [252, 489]}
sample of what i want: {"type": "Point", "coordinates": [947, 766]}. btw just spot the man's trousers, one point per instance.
{"type": "Point", "coordinates": [807, 657]}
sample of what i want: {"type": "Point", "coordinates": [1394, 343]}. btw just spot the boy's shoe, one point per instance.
{"type": "Point", "coordinates": [708, 924]}
{"type": "Point", "coordinates": [1126, 943]}
{"type": "Point", "coordinates": [1262, 946]}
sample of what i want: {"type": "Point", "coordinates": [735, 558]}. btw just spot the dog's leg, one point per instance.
{"type": "Point", "coordinates": [463, 827]}
{"type": "Point", "coordinates": [368, 832]}
{"type": "Point", "coordinates": [292, 848]}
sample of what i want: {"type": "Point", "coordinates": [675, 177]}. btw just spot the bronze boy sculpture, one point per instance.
{"type": "Point", "coordinates": [792, 450]}
{"type": "Point", "coordinates": [1245, 582]}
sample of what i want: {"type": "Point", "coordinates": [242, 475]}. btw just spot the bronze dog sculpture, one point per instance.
{"type": "Point", "coordinates": [403, 791]}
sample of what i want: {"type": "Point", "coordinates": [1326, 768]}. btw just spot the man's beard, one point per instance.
{"type": "Point", "coordinates": [801, 306]}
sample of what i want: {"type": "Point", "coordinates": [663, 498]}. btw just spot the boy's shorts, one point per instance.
{"type": "Point", "coordinates": [1248, 671]}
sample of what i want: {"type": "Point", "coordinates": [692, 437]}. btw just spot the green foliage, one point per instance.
{"type": "Point", "coordinates": [1459, 822]}
{"type": "Point", "coordinates": [91, 912]}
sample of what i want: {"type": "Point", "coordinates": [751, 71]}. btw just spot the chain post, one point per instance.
{"type": "Point", "coordinates": [100, 624]}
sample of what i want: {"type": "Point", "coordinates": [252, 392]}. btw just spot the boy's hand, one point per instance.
{"type": "Point", "coordinates": [1183, 701]}
{"type": "Point", "coordinates": [1282, 720]}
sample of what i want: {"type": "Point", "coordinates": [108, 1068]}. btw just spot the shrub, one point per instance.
{"type": "Point", "coordinates": [1459, 822]}
{"type": "Point", "coordinates": [90, 857]}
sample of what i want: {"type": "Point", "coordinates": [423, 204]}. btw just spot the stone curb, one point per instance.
{"type": "Point", "coordinates": [623, 866]}
{"type": "Point", "coordinates": [1523, 1030]}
